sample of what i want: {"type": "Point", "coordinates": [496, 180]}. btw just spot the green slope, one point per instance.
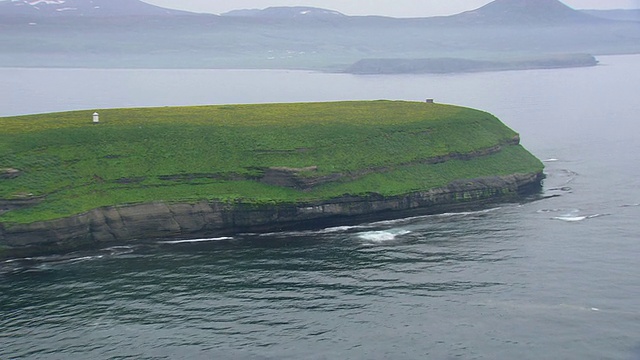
{"type": "Point", "coordinates": [186, 154]}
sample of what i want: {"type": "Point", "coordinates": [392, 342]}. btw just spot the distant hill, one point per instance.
{"type": "Point", "coordinates": [92, 8]}
{"type": "Point", "coordinates": [620, 14]}
{"type": "Point", "coordinates": [525, 12]}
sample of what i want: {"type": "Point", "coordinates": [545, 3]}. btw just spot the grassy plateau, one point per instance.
{"type": "Point", "coordinates": [189, 154]}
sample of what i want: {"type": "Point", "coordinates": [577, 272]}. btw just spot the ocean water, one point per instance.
{"type": "Point", "coordinates": [557, 278]}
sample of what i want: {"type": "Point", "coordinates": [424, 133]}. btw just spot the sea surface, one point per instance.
{"type": "Point", "coordinates": [557, 278]}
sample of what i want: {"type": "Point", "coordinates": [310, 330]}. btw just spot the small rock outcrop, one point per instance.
{"type": "Point", "coordinates": [297, 178]}
{"type": "Point", "coordinates": [9, 173]}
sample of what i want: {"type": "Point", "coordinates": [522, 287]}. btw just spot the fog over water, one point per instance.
{"type": "Point", "coordinates": [549, 279]}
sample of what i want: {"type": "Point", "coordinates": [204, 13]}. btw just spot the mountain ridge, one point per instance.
{"type": "Point", "coordinates": [85, 8]}
{"type": "Point", "coordinates": [501, 12]}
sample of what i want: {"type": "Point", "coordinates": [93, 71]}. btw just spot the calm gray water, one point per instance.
{"type": "Point", "coordinates": [550, 279]}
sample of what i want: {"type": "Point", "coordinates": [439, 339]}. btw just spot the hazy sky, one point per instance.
{"type": "Point", "coordinates": [401, 8]}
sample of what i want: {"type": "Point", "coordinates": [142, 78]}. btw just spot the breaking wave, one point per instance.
{"type": "Point", "coordinates": [188, 241]}
{"type": "Point", "coordinates": [382, 235]}
{"type": "Point", "coordinates": [569, 215]}
{"type": "Point", "coordinates": [443, 215]}
{"type": "Point", "coordinates": [576, 218]}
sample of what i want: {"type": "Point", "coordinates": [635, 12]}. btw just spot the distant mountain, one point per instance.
{"type": "Point", "coordinates": [620, 15]}
{"type": "Point", "coordinates": [525, 12]}
{"type": "Point", "coordinates": [87, 8]}
{"type": "Point", "coordinates": [295, 12]}
{"type": "Point", "coordinates": [498, 12]}
{"type": "Point", "coordinates": [131, 33]}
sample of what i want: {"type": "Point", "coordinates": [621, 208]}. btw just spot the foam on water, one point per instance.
{"type": "Point", "coordinates": [467, 213]}
{"type": "Point", "coordinates": [559, 179]}
{"type": "Point", "coordinates": [576, 218]}
{"type": "Point", "coordinates": [86, 258]}
{"type": "Point", "coordinates": [400, 221]}
{"type": "Point", "coordinates": [304, 233]}
{"type": "Point", "coordinates": [422, 217]}
{"type": "Point", "coordinates": [119, 250]}
{"type": "Point", "coordinates": [337, 229]}
{"type": "Point", "coordinates": [569, 215]}
{"type": "Point", "coordinates": [188, 241]}
{"type": "Point", "coordinates": [570, 218]}
{"type": "Point", "coordinates": [382, 235]}
{"type": "Point", "coordinates": [47, 262]}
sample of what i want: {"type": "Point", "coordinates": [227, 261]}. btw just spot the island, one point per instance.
{"type": "Point", "coordinates": [84, 179]}
{"type": "Point", "coordinates": [459, 65]}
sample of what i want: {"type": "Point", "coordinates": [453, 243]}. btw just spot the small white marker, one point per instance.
{"type": "Point", "coordinates": [595, 309]}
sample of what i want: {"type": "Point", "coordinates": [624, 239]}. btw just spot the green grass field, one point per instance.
{"type": "Point", "coordinates": [186, 154]}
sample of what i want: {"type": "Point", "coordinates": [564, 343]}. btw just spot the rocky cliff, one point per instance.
{"type": "Point", "coordinates": [144, 222]}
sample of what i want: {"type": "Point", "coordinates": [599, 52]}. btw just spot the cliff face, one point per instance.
{"type": "Point", "coordinates": [122, 224]}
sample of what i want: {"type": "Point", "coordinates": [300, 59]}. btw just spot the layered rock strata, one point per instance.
{"type": "Point", "coordinates": [155, 221]}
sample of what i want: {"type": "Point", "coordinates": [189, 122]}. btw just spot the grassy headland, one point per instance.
{"type": "Point", "coordinates": [68, 165]}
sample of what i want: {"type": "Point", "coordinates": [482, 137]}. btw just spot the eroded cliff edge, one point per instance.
{"type": "Point", "coordinates": [159, 220]}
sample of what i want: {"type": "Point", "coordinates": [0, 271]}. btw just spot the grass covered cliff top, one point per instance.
{"type": "Point", "coordinates": [186, 154]}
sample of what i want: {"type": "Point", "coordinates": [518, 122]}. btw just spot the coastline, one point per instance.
{"type": "Point", "coordinates": [118, 225]}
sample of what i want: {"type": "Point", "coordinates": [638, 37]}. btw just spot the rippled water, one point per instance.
{"type": "Point", "coordinates": [486, 284]}
{"type": "Point", "coordinates": [556, 278]}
